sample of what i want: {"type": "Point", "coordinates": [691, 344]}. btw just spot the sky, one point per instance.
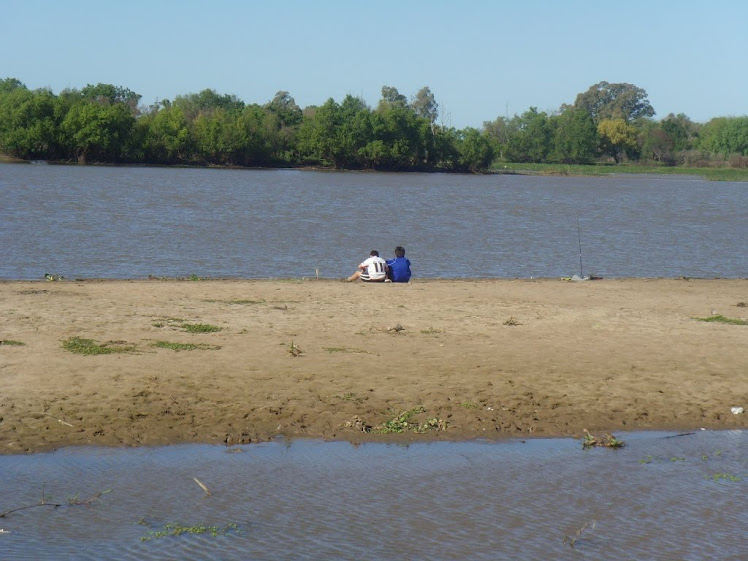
{"type": "Point", "coordinates": [481, 59]}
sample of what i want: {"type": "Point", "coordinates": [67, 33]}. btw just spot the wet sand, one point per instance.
{"type": "Point", "coordinates": [326, 359]}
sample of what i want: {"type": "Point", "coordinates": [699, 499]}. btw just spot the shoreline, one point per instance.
{"type": "Point", "coordinates": [459, 359]}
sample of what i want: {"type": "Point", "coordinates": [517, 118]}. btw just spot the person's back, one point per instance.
{"type": "Point", "coordinates": [399, 267]}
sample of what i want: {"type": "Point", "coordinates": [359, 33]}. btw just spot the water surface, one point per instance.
{"type": "Point", "coordinates": [657, 498]}
{"type": "Point", "coordinates": [111, 222]}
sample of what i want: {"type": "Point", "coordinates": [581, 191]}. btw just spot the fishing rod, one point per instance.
{"type": "Point", "coordinates": [579, 237]}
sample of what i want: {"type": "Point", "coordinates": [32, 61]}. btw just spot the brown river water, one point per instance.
{"type": "Point", "coordinates": [125, 222]}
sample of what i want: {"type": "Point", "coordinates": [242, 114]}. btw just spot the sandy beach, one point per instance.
{"type": "Point", "coordinates": [240, 361]}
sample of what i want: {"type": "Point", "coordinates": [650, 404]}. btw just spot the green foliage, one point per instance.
{"type": "Point", "coordinates": [614, 101]}
{"type": "Point", "coordinates": [200, 328]}
{"type": "Point", "coordinates": [184, 346]}
{"type": "Point", "coordinates": [103, 123]}
{"type": "Point", "coordinates": [616, 137]}
{"type": "Point", "coordinates": [603, 441]}
{"type": "Point", "coordinates": [575, 137]}
{"type": "Point", "coordinates": [12, 343]}
{"type": "Point", "coordinates": [723, 477]}
{"type": "Point", "coordinates": [173, 529]}
{"type": "Point", "coordinates": [403, 422]}
{"type": "Point", "coordinates": [531, 141]}
{"type": "Point", "coordinates": [83, 346]}
{"type": "Point", "coordinates": [722, 319]}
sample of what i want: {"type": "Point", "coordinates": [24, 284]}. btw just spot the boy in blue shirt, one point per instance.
{"type": "Point", "coordinates": [398, 269]}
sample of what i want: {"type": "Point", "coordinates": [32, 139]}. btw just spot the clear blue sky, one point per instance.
{"type": "Point", "coordinates": [482, 59]}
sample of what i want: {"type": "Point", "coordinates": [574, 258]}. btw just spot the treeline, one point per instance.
{"type": "Point", "coordinates": [105, 124]}
{"type": "Point", "coordinates": [613, 122]}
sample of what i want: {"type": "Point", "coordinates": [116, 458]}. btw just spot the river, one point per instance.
{"type": "Point", "coordinates": [132, 222]}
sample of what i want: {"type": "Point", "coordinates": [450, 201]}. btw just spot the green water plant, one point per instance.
{"type": "Point", "coordinates": [173, 529]}
{"type": "Point", "coordinates": [82, 346]}
{"type": "Point", "coordinates": [77, 501]}
{"type": "Point", "coordinates": [723, 477]}
{"type": "Point", "coordinates": [606, 440]}
{"type": "Point", "coordinates": [572, 540]}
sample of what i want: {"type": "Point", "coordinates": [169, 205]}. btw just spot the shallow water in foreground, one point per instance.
{"type": "Point", "coordinates": [662, 496]}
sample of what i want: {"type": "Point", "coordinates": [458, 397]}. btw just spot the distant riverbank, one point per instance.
{"type": "Point", "coordinates": [599, 170]}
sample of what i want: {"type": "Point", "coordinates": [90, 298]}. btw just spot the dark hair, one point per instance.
{"type": "Point", "coordinates": [374, 253]}
{"type": "Point", "coordinates": [399, 251]}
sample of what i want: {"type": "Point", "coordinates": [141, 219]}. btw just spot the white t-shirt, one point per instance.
{"type": "Point", "coordinates": [376, 268]}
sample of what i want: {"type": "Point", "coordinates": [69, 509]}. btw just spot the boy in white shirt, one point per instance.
{"type": "Point", "coordinates": [374, 269]}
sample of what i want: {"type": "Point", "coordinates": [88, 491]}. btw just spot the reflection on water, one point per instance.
{"type": "Point", "coordinates": [126, 222]}
{"type": "Point", "coordinates": [660, 497]}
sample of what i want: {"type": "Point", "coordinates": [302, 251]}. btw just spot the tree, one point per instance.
{"type": "Point", "coordinates": [616, 137]}
{"type": "Point", "coordinates": [284, 106]}
{"type": "Point", "coordinates": [107, 93]}
{"type": "Point", "coordinates": [424, 105]}
{"type": "Point", "coordinates": [167, 139]}
{"type": "Point", "coordinates": [532, 140]}
{"type": "Point", "coordinates": [575, 137]}
{"type": "Point", "coordinates": [658, 145]}
{"type": "Point", "coordinates": [390, 97]}
{"type": "Point", "coordinates": [337, 133]}
{"type": "Point", "coordinates": [96, 132]}
{"type": "Point", "coordinates": [10, 84]}
{"type": "Point", "coordinates": [680, 129]}
{"type": "Point", "coordinates": [206, 101]}
{"type": "Point", "coordinates": [614, 101]}
{"type": "Point", "coordinates": [476, 150]}
{"type": "Point", "coordinates": [28, 128]}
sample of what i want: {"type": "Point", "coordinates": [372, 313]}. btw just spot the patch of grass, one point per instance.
{"type": "Point", "coordinates": [294, 350]}
{"type": "Point", "coordinates": [200, 328]}
{"type": "Point", "coordinates": [511, 321]}
{"type": "Point", "coordinates": [469, 405]}
{"type": "Point", "coordinates": [236, 301]}
{"type": "Point", "coordinates": [403, 422]}
{"type": "Point", "coordinates": [178, 530]}
{"type": "Point", "coordinates": [83, 346]}
{"type": "Point", "coordinates": [185, 346]}
{"type": "Point", "coordinates": [431, 331]}
{"type": "Point", "coordinates": [350, 396]}
{"type": "Point", "coordinates": [11, 343]}
{"type": "Point", "coordinates": [711, 174]}
{"type": "Point", "coordinates": [344, 350]}
{"type": "Point", "coordinates": [723, 319]}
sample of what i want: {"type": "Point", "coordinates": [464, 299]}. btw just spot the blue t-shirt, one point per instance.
{"type": "Point", "coordinates": [399, 269]}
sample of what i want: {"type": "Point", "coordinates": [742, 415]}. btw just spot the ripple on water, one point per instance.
{"type": "Point", "coordinates": [315, 500]}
